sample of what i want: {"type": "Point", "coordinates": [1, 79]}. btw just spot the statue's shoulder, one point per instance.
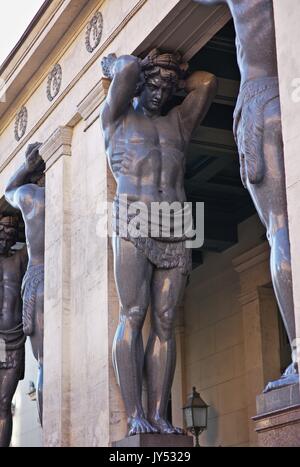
{"type": "Point", "coordinates": [26, 194]}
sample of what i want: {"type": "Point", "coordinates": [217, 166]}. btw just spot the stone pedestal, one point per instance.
{"type": "Point", "coordinates": [278, 417]}
{"type": "Point", "coordinates": [155, 441]}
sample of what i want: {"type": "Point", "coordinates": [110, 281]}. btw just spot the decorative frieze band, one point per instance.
{"type": "Point", "coordinates": [94, 31]}
{"type": "Point", "coordinates": [54, 82]}
{"type": "Point", "coordinates": [21, 123]}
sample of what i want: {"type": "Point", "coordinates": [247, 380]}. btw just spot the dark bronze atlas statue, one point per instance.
{"type": "Point", "coordinates": [12, 338]}
{"type": "Point", "coordinates": [257, 129]}
{"type": "Point", "coordinates": [146, 152]}
{"type": "Point", "coordinates": [26, 192]}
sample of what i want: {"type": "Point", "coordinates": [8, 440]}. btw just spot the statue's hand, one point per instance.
{"type": "Point", "coordinates": [34, 162]}
{"type": "Point", "coordinates": [108, 64]}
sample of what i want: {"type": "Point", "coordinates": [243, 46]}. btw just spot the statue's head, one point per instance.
{"type": "Point", "coordinates": [162, 73]}
{"type": "Point", "coordinates": [8, 232]}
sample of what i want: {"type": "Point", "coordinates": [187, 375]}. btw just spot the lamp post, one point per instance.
{"type": "Point", "coordinates": [195, 414]}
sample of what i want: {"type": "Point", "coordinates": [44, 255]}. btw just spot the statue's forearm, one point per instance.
{"type": "Point", "coordinates": [126, 73]}
{"type": "Point", "coordinates": [128, 65]}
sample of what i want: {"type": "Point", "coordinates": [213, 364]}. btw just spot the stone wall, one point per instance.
{"type": "Point", "coordinates": [223, 341]}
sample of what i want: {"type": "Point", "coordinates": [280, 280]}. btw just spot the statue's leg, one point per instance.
{"type": "Point", "coordinates": [166, 292]}
{"type": "Point", "coordinates": [8, 384]}
{"type": "Point", "coordinates": [269, 197]}
{"type": "Point", "coordinates": [37, 343]}
{"type": "Point", "coordinates": [133, 273]}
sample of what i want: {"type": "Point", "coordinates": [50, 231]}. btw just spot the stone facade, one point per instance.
{"type": "Point", "coordinates": [221, 337]}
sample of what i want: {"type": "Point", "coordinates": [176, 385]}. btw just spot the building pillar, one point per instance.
{"type": "Point", "coordinates": [56, 153]}
{"type": "Point", "coordinates": [110, 423]}
{"type": "Point", "coordinates": [287, 19]}
{"type": "Point", "coordinates": [260, 325]}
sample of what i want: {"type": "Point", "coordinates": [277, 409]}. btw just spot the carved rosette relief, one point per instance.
{"type": "Point", "coordinates": [54, 82]}
{"type": "Point", "coordinates": [94, 32]}
{"type": "Point", "coordinates": [21, 123]}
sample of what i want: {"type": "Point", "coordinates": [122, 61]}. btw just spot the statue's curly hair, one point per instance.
{"type": "Point", "coordinates": [169, 66]}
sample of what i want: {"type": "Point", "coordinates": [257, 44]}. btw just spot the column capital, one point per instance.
{"type": "Point", "coordinates": [88, 108]}
{"type": "Point", "coordinates": [59, 144]}
{"type": "Point", "coordinates": [258, 293]}
{"type": "Point", "coordinates": [251, 258]}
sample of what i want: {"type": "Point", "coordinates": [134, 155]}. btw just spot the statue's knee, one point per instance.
{"type": "Point", "coordinates": [5, 407]}
{"type": "Point", "coordinates": [165, 324]}
{"type": "Point", "coordinates": [136, 316]}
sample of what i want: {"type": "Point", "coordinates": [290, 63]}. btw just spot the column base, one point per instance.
{"type": "Point", "coordinates": [155, 441]}
{"type": "Point", "coordinates": [278, 417]}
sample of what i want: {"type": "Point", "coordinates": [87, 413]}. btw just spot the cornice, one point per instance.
{"type": "Point", "coordinates": [88, 108]}
{"type": "Point", "coordinates": [255, 256]}
{"type": "Point", "coordinates": [58, 145]}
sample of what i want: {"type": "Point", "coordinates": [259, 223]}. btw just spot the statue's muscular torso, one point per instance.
{"type": "Point", "coordinates": [147, 156]}
{"type": "Point", "coordinates": [32, 205]}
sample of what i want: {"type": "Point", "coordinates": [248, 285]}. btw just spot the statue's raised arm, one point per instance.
{"type": "Point", "coordinates": [201, 88]}
{"type": "Point", "coordinates": [125, 73]}
{"type": "Point", "coordinates": [17, 187]}
{"type": "Point", "coordinates": [26, 191]}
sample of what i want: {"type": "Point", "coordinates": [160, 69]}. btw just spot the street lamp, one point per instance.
{"type": "Point", "coordinates": [195, 414]}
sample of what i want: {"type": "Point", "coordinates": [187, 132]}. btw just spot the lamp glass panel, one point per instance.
{"type": "Point", "coordinates": [200, 417]}
{"type": "Point", "coordinates": [188, 417]}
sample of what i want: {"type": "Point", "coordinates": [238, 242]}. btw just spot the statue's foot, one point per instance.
{"type": "Point", "coordinates": [166, 428]}
{"type": "Point", "coordinates": [138, 425]}
{"type": "Point", "coordinates": [289, 377]}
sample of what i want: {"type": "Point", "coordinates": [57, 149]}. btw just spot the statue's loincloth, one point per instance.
{"type": "Point", "coordinates": [33, 278]}
{"type": "Point", "coordinates": [248, 126]}
{"type": "Point", "coordinates": [163, 252]}
{"type": "Point", "coordinates": [12, 350]}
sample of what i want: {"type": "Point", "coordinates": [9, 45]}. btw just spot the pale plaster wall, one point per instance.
{"type": "Point", "coordinates": [27, 431]}
{"type": "Point", "coordinates": [89, 318]}
{"type": "Point", "coordinates": [214, 341]}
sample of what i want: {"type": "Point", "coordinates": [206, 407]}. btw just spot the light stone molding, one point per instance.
{"type": "Point", "coordinates": [252, 258]}
{"type": "Point", "coordinates": [59, 144]}
{"type": "Point", "coordinates": [88, 108]}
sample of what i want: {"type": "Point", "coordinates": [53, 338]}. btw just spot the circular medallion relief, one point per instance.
{"type": "Point", "coordinates": [94, 32]}
{"type": "Point", "coordinates": [21, 123]}
{"type": "Point", "coordinates": [54, 82]}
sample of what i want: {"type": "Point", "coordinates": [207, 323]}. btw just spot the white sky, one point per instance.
{"type": "Point", "coordinates": [15, 16]}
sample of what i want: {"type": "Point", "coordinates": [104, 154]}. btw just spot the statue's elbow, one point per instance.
{"type": "Point", "coordinates": [211, 82]}
{"type": "Point", "coordinates": [128, 64]}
